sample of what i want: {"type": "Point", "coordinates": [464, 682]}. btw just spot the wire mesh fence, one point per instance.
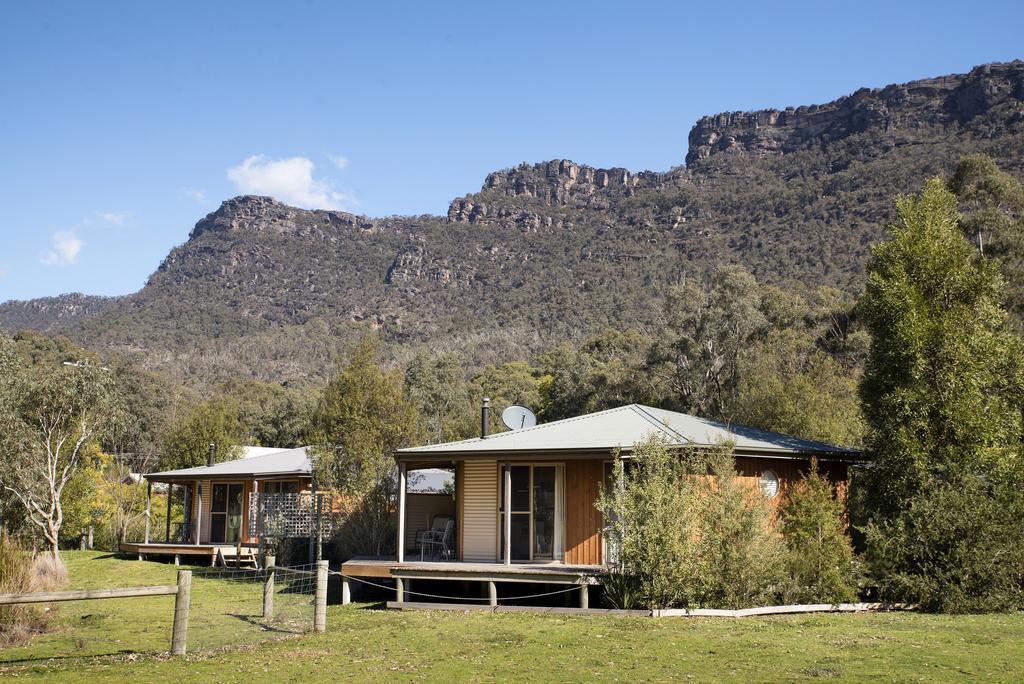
{"type": "Point", "coordinates": [230, 605]}
{"type": "Point", "coordinates": [227, 610]}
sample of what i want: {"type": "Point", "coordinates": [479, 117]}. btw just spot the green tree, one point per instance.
{"type": "Point", "coordinates": [789, 384]}
{"type": "Point", "coordinates": [819, 553]}
{"type": "Point", "coordinates": [607, 370]}
{"type": "Point", "coordinates": [270, 414]}
{"type": "Point", "coordinates": [438, 387]}
{"type": "Point", "coordinates": [514, 382]}
{"type": "Point", "coordinates": [50, 414]}
{"type": "Point", "coordinates": [992, 202]}
{"type": "Point", "coordinates": [188, 441]}
{"type": "Point", "coordinates": [942, 394]}
{"type": "Point", "coordinates": [708, 325]}
{"type": "Point", "coordinates": [363, 415]}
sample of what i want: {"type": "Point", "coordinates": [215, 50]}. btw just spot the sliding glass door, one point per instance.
{"type": "Point", "coordinates": [226, 514]}
{"type": "Point", "coordinates": [537, 513]}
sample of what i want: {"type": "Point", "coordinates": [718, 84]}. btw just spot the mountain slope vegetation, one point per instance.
{"type": "Point", "coordinates": [549, 251]}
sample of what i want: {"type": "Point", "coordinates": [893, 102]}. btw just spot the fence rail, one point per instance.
{"type": "Point", "coordinates": [182, 593]}
{"type": "Point", "coordinates": [86, 594]}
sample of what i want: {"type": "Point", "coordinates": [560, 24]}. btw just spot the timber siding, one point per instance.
{"type": "Point", "coordinates": [420, 510]}
{"type": "Point", "coordinates": [479, 511]}
{"type": "Point", "coordinates": [582, 519]}
{"type": "Point", "coordinates": [789, 472]}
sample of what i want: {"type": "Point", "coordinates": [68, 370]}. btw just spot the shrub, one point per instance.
{"type": "Point", "coordinates": [651, 527]}
{"type": "Point", "coordinates": [686, 532]}
{"type": "Point", "coordinates": [819, 557]}
{"type": "Point", "coordinates": [739, 551]}
{"type": "Point", "coordinates": [21, 572]}
{"type": "Point", "coordinates": [955, 549]}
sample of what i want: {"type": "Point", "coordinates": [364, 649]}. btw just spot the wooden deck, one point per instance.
{"type": "Point", "coordinates": [160, 548]}
{"type": "Point", "coordinates": [205, 551]}
{"type": "Point", "coordinates": [548, 573]}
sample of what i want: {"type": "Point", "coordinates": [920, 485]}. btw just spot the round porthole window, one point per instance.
{"type": "Point", "coordinates": [769, 484]}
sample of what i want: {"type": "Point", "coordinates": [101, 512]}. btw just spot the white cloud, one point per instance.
{"type": "Point", "coordinates": [289, 180]}
{"type": "Point", "coordinates": [338, 160]}
{"type": "Point", "coordinates": [66, 246]}
{"type": "Point", "coordinates": [115, 218]}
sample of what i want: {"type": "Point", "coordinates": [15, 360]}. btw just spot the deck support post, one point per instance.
{"type": "Point", "coordinates": [149, 507]}
{"type": "Point", "coordinates": [177, 560]}
{"type": "Point", "coordinates": [492, 593]}
{"type": "Point", "coordinates": [167, 528]}
{"type": "Point", "coordinates": [182, 601]}
{"type": "Point", "coordinates": [199, 512]}
{"type": "Point", "coordinates": [402, 485]}
{"type": "Point", "coordinates": [399, 590]}
{"type": "Point", "coordinates": [346, 590]}
{"type": "Point", "coordinates": [268, 589]}
{"type": "Point", "coordinates": [320, 599]}
{"type": "Point", "coordinates": [508, 513]}
{"type": "Point", "coordinates": [584, 596]}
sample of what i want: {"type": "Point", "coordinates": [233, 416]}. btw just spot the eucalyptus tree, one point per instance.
{"type": "Point", "coordinates": [49, 415]}
{"type": "Point", "coordinates": [362, 416]}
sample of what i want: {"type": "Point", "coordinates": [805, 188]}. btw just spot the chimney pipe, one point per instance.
{"type": "Point", "coordinates": [485, 418]}
{"type": "Point", "coordinates": [211, 456]}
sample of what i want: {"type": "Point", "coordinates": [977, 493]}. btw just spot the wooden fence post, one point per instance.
{"type": "Point", "coordinates": [492, 594]}
{"type": "Point", "coordinates": [320, 601]}
{"type": "Point", "coordinates": [268, 588]}
{"type": "Point", "coordinates": [584, 596]}
{"type": "Point", "coordinates": [182, 601]}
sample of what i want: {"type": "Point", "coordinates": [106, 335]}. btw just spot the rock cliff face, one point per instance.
{"type": "Point", "coordinates": [936, 101]}
{"type": "Point", "coordinates": [558, 183]}
{"type": "Point", "coordinates": [256, 213]}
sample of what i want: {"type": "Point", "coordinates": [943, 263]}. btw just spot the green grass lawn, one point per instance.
{"type": "Point", "coordinates": [117, 640]}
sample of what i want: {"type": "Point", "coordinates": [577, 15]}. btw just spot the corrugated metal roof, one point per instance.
{"type": "Point", "coordinates": [621, 428]}
{"type": "Point", "coordinates": [277, 463]}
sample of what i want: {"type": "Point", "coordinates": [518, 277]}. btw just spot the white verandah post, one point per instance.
{"type": "Point", "coordinates": [199, 511]}
{"type": "Point", "coordinates": [149, 508]}
{"type": "Point", "coordinates": [167, 522]}
{"type": "Point", "coordinates": [508, 513]}
{"type": "Point", "coordinates": [401, 512]}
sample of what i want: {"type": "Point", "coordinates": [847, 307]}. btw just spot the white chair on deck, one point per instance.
{"type": "Point", "coordinates": [438, 538]}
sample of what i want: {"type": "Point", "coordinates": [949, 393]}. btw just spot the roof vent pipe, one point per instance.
{"type": "Point", "coordinates": [211, 455]}
{"type": "Point", "coordinates": [485, 418]}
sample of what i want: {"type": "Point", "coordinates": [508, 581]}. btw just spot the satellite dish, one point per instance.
{"type": "Point", "coordinates": [518, 417]}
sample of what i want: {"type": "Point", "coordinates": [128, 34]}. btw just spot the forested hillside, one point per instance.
{"type": "Point", "coordinates": [552, 251]}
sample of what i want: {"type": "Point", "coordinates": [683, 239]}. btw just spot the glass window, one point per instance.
{"type": "Point", "coordinates": [769, 484]}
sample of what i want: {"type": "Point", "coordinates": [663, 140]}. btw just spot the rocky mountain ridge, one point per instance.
{"type": "Point", "coordinates": [945, 100]}
{"type": "Point", "coordinates": [554, 250]}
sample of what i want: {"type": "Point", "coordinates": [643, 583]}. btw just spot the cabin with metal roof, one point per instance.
{"type": "Point", "coordinates": [524, 499]}
{"type": "Point", "coordinates": [224, 504]}
{"type": "Point", "coordinates": [218, 501]}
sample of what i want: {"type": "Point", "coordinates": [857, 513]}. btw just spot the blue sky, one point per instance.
{"type": "Point", "coordinates": [122, 124]}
